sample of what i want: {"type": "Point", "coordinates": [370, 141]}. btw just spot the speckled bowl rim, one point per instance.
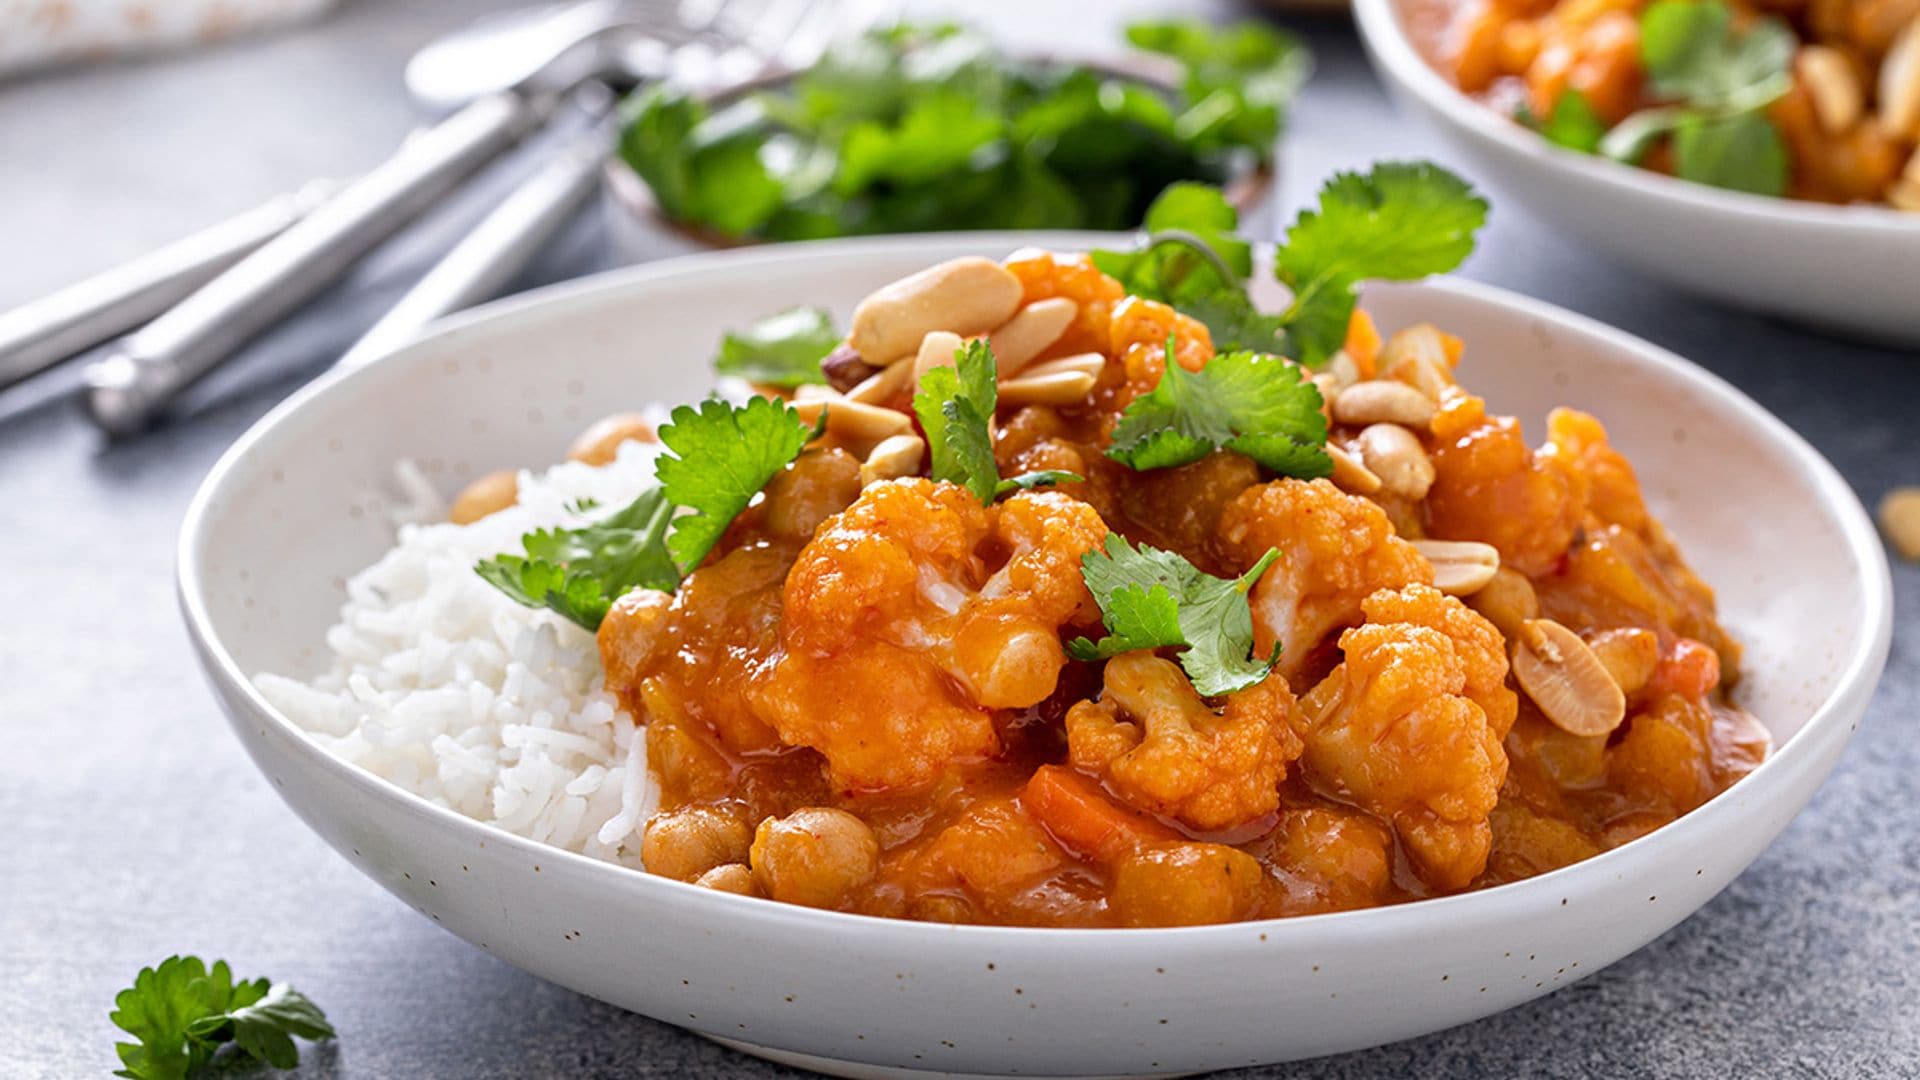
{"type": "Point", "coordinates": [1863, 665]}
{"type": "Point", "coordinates": [1385, 36]}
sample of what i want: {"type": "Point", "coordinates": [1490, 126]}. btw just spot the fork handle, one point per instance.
{"type": "Point", "coordinates": [148, 369]}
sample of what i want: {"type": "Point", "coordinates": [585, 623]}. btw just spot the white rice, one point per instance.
{"type": "Point", "coordinates": [441, 684]}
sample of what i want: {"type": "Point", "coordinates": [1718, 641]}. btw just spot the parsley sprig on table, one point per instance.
{"type": "Point", "coordinates": [1714, 81]}
{"type": "Point", "coordinates": [722, 455]}
{"type": "Point", "coordinates": [955, 406]}
{"type": "Point", "coordinates": [1151, 599]}
{"type": "Point", "coordinates": [182, 1012]}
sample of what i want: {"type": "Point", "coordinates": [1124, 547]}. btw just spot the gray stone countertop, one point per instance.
{"type": "Point", "coordinates": [135, 827]}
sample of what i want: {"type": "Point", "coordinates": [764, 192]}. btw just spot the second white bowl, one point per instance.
{"type": "Point", "coordinates": [1854, 270]}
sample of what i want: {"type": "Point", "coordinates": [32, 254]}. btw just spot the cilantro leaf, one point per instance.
{"type": "Point", "coordinates": [578, 573]}
{"type": "Point", "coordinates": [1741, 152]}
{"type": "Point", "coordinates": [1572, 123]}
{"type": "Point", "coordinates": [1152, 599]}
{"type": "Point", "coordinates": [1027, 481]}
{"type": "Point", "coordinates": [784, 349]}
{"type": "Point", "coordinates": [1193, 260]}
{"type": "Point", "coordinates": [1403, 220]}
{"type": "Point", "coordinates": [1252, 403]}
{"type": "Point", "coordinates": [1239, 78]}
{"type": "Point", "coordinates": [182, 1012]}
{"type": "Point", "coordinates": [1694, 54]}
{"type": "Point", "coordinates": [723, 454]}
{"type": "Point", "coordinates": [955, 405]}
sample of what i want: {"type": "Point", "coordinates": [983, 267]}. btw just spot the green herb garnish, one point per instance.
{"type": "Point", "coordinates": [916, 128]}
{"type": "Point", "coordinates": [955, 405]}
{"type": "Point", "coordinates": [1713, 82]}
{"type": "Point", "coordinates": [1400, 222]}
{"type": "Point", "coordinates": [1151, 599]}
{"type": "Point", "coordinates": [1251, 403]}
{"type": "Point", "coordinates": [723, 454]}
{"type": "Point", "coordinates": [182, 1013]}
{"type": "Point", "coordinates": [578, 573]}
{"type": "Point", "coordinates": [1572, 123]}
{"type": "Point", "coordinates": [783, 349]}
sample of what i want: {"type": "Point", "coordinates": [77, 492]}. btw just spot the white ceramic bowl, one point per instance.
{"type": "Point", "coordinates": [296, 506]}
{"type": "Point", "coordinates": [1850, 269]}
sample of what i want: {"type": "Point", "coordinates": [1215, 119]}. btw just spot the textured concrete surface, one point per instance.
{"type": "Point", "coordinates": [134, 827]}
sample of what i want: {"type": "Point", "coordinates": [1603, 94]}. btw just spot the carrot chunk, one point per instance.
{"type": "Point", "coordinates": [1081, 817]}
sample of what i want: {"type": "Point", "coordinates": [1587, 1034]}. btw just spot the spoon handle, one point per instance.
{"type": "Point", "coordinates": [481, 265]}
{"type": "Point", "coordinates": [38, 335]}
{"type": "Point", "coordinates": [148, 369]}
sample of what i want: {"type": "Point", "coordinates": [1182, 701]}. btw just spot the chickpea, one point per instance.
{"type": "Point", "coordinates": [733, 877]}
{"type": "Point", "coordinates": [684, 844]}
{"type": "Point", "coordinates": [815, 856]}
{"type": "Point", "coordinates": [1507, 601]}
{"type": "Point", "coordinates": [600, 443]}
{"type": "Point", "coordinates": [1188, 884]}
{"type": "Point", "coordinates": [490, 494]}
{"type": "Point", "coordinates": [820, 484]}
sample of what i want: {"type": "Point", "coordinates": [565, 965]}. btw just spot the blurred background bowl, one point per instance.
{"type": "Point", "coordinates": [1852, 270]}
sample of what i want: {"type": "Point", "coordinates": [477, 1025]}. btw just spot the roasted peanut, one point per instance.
{"type": "Point", "coordinates": [1417, 356]}
{"type": "Point", "coordinates": [1084, 363]}
{"type": "Point", "coordinates": [1384, 401]}
{"type": "Point", "coordinates": [967, 296]}
{"type": "Point", "coordinates": [1832, 86]}
{"type": "Point", "coordinates": [1460, 567]}
{"type": "Point", "coordinates": [894, 457]}
{"type": "Point", "coordinates": [844, 368]}
{"type": "Point", "coordinates": [854, 422]}
{"type": "Point", "coordinates": [1056, 388]}
{"type": "Point", "coordinates": [883, 385]}
{"type": "Point", "coordinates": [1629, 654]}
{"type": "Point", "coordinates": [490, 494]}
{"type": "Point", "coordinates": [1395, 455]}
{"type": "Point", "coordinates": [1566, 680]}
{"type": "Point", "coordinates": [1350, 474]}
{"type": "Point", "coordinates": [1029, 332]}
{"type": "Point", "coordinates": [600, 443]}
{"type": "Point", "coordinates": [1900, 518]}
{"type": "Point", "coordinates": [1344, 371]}
{"type": "Point", "coordinates": [1900, 84]}
{"type": "Point", "coordinates": [936, 350]}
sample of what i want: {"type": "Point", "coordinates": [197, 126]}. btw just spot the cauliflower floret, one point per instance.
{"type": "Point", "coordinates": [1335, 551]}
{"type": "Point", "coordinates": [1177, 757]}
{"type": "Point", "coordinates": [1489, 485]}
{"type": "Point", "coordinates": [900, 632]}
{"type": "Point", "coordinates": [1409, 727]}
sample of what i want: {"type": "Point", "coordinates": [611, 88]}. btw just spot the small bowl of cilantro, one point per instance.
{"type": "Point", "coordinates": [1759, 157]}
{"type": "Point", "coordinates": [919, 128]}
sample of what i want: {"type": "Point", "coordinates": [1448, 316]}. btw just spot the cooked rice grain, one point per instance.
{"type": "Point", "coordinates": [445, 687]}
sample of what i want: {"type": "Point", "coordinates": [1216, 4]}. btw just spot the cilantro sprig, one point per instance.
{"type": "Point", "coordinates": [783, 349]}
{"type": "Point", "coordinates": [1399, 222]}
{"type": "Point", "coordinates": [955, 405]}
{"type": "Point", "coordinates": [722, 455]}
{"type": "Point", "coordinates": [1713, 81]}
{"type": "Point", "coordinates": [1151, 599]}
{"type": "Point", "coordinates": [1251, 403]}
{"type": "Point", "coordinates": [181, 1012]}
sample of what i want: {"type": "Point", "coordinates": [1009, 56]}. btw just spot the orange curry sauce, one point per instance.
{"type": "Point", "coordinates": [862, 701]}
